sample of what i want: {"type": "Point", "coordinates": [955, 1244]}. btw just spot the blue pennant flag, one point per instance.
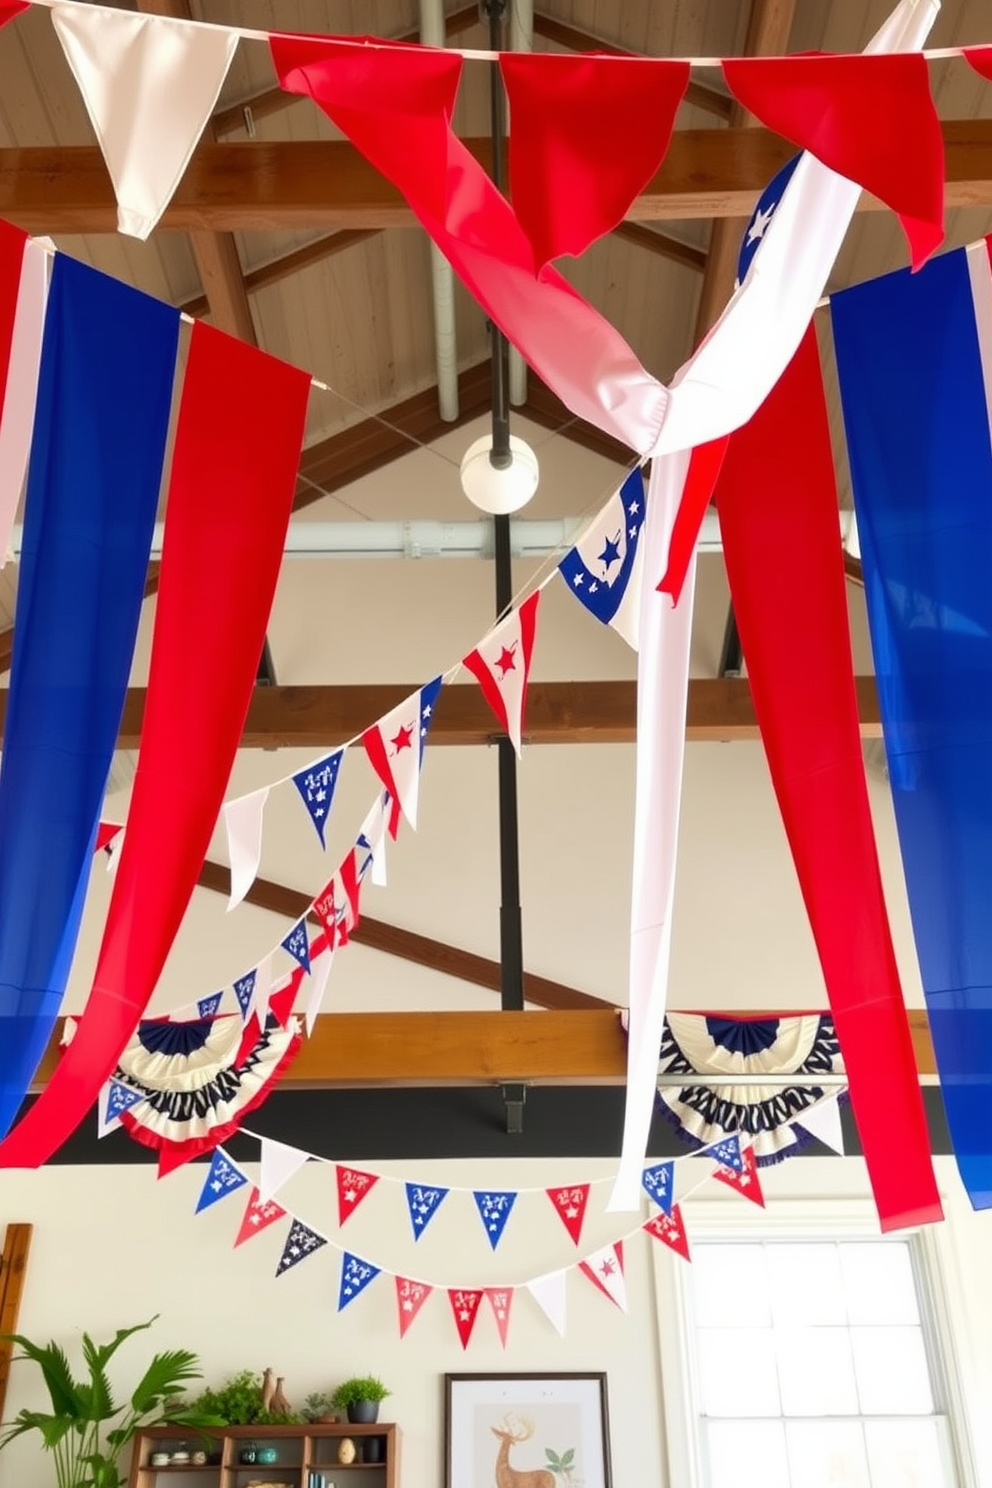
{"type": "Point", "coordinates": [208, 1007]}
{"type": "Point", "coordinates": [726, 1152]}
{"type": "Point", "coordinates": [298, 945]}
{"type": "Point", "coordinates": [222, 1179]}
{"type": "Point", "coordinates": [602, 567]}
{"type": "Point", "coordinates": [423, 1204]}
{"type": "Point", "coordinates": [355, 1277]}
{"type": "Point", "coordinates": [494, 1210]}
{"type": "Point", "coordinates": [244, 991]}
{"type": "Point", "coordinates": [659, 1184]}
{"type": "Point", "coordinates": [300, 1243]}
{"type": "Point", "coordinates": [761, 216]}
{"type": "Point", "coordinates": [120, 1098]}
{"type": "Point", "coordinates": [316, 786]}
{"type": "Point", "coordinates": [428, 702]}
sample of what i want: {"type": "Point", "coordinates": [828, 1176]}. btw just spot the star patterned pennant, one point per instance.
{"type": "Point", "coordinates": [745, 1180]}
{"type": "Point", "coordinates": [669, 1229]}
{"type": "Point", "coordinates": [494, 1211]}
{"type": "Point", "coordinates": [726, 1152]}
{"type": "Point", "coordinates": [325, 907]}
{"type": "Point", "coordinates": [659, 1184]}
{"type": "Point", "coordinates": [602, 570]}
{"type": "Point", "coordinates": [244, 991]}
{"type": "Point", "coordinates": [570, 1205]}
{"type": "Point", "coordinates": [465, 1309]}
{"type": "Point", "coordinates": [222, 1179]}
{"type": "Point", "coordinates": [258, 1216]}
{"type": "Point", "coordinates": [120, 1098]}
{"type": "Point", "coordinates": [501, 665]}
{"type": "Point", "coordinates": [209, 1007]}
{"type": "Point", "coordinates": [423, 1204]}
{"type": "Point", "coordinates": [353, 1187]}
{"type": "Point", "coordinates": [410, 1298]}
{"type": "Point", "coordinates": [300, 1243]}
{"type": "Point", "coordinates": [297, 943]}
{"type": "Point", "coordinates": [500, 1300]}
{"type": "Point", "coordinates": [316, 786]}
{"type": "Point", "coordinates": [604, 1269]}
{"type": "Point", "coordinates": [356, 1275]}
{"type": "Point", "coordinates": [395, 747]}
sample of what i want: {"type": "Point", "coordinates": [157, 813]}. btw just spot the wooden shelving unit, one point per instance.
{"type": "Point", "coordinates": [299, 1451]}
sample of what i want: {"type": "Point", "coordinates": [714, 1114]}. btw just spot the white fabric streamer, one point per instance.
{"type": "Point", "coordinates": [17, 421]}
{"type": "Point", "coordinates": [243, 821]}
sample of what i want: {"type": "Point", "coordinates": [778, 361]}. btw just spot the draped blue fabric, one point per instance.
{"type": "Point", "coordinates": [96, 460]}
{"type": "Point", "coordinates": [916, 413]}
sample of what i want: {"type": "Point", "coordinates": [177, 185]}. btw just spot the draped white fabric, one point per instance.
{"type": "Point", "coordinates": [17, 420]}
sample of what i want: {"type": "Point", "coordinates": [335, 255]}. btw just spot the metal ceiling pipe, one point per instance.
{"type": "Point", "coordinates": [521, 40]}
{"type": "Point", "coordinates": [432, 33]}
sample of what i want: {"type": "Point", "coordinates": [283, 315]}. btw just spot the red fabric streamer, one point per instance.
{"type": "Point", "coordinates": [12, 245]}
{"type": "Point", "coordinates": [588, 133]}
{"type": "Point", "coordinates": [234, 468]}
{"type": "Point", "coordinates": [14, 8]}
{"type": "Point", "coordinates": [705, 464]}
{"type": "Point", "coordinates": [869, 117]}
{"type": "Point", "coordinates": [980, 58]}
{"type": "Point", "coordinates": [778, 515]}
{"type": "Point", "coordinates": [395, 105]}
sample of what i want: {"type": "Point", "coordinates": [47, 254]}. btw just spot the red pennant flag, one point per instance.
{"type": "Point", "coordinates": [258, 1216]}
{"type": "Point", "coordinates": [778, 515]}
{"type": "Point", "coordinates": [410, 1298]}
{"type": "Point", "coordinates": [705, 464]}
{"type": "Point", "coordinates": [501, 663]}
{"type": "Point", "coordinates": [980, 58]}
{"type": "Point", "coordinates": [465, 1309]}
{"type": "Point", "coordinates": [746, 1182]}
{"type": "Point", "coordinates": [353, 1187]}
{"type": "Point", "coordinates": [570, 1205]}
{"type": "Point", "coordinates": [669, 1229]}
{"type": "Point", "coordinates": [501, 1300]}
{"type": "Point", "coordinates": [106, 832]}
{"type": "Point", "coordinates": [588, 134]}
{"type": "Point", "coordinates": [604, 1269]}
{"type": "Point", "coordinates": [869, 117]}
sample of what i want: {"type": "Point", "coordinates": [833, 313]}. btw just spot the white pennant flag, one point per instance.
{"type": "Point", "coordinates": [262, 991]}
{"type": "Point", "coordinates": [278, 1165]}
{"type": "Point", "coordinates": [320, 970]}
{"type": "Point", "coordinates": [150, 84]}
{"type": "Point", "coordinates": [604, 1269]}
{"type": "Point", "coordinates": [501, 665]}
{"type": "Point", "coordinates": [243, 821]}
{"type": "Point", "coordinates": [17, 419]}
{"type": "Point", "coordinates": [371, 841]}
{"type": "Point", "coordinates": [822, 1121]}
{"type": "Point", "coordinates": [549, 1294]}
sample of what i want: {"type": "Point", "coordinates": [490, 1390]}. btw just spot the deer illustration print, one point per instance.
{"type": "Point", "coordinates": [510, 1477]}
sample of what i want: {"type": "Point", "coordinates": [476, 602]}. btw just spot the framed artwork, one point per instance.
{"type": "Point", "coordinates": [545, 1430]}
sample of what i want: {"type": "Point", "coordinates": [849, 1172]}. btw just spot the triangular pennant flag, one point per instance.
{"type": "Point", "coordinates": [501, 663]}
{"type": "Point", "coordinates": [258, 1216]}
{"type": "Point", "coordinates": [589, 132]}
{"type": "Point", "coordinates": [353, 1187]}
{"type": "Point", "coordinates": [105, 834]}
{"type": "Point", "coordinates": [327, 910]}
{"type": "Point", "coordinates": [745, 1180]}
{"type": "Point", "coordinates": [410, 1298]}
{"type": "Point", "coordinates": [297, 943]}
{"type": "Point", "coordinates": [465, 1310]}
{"type": "Point", "coordinates": [356, 1275]}
{"type": "Point", "coordinates": [208, 1007]}
{"type": "Point", "coordinates": [222, 1179]}
{"type": "Point", "coordinates": [282, 997]}
{"type": "Point", "coordinates": [604, 1269]}
{"type": "Point", "coordinates": [500, 1300]}
{"type": "Point", "coordinates": [669, 1229]}
{"type": "Point", "coordinates": [727, 1152]}
{"type": "Point", "coordinates": [244, 991]}
{"type": "Point", "coordinates": [659, 1184]}
{"type": "Point", "coordinates": [870, 118]}
{"type": "Point", "coordinates": [279, 1163]}
{"type": "Point", "coordinates": [395, 747]}
{"type": "Point", "coordinates": [423, 1203]}
{"type": "Point", "coordinates": [348, 890]}
{"type": "Point", "coordinates": [823, 1122]}
{"type": "Point", "coordinates": [316, 786]}
{"type": "Point", "coordinates": [320, 970]}
{"type": "Point", "coordinates": [262, 991]}
{"type": "Point", "coordinates": [604, 568]}
{"type": "Point", "coordinates": [370, 843]}
{"type": "Point", "coordinates": [980, 58]}
{"type": "Point", "coordinates": [570, 1204]}
{"type": "Point", "coordinates": [494, 1210]}
{"type": "Point", "coordinates": [300, 1243]}
{"type": "Point", "coordinates": [149, 84]}
{"type": "Point", "coordinates": [118, 1098]}
{"type": "Point", "coordinates": [549, 1294]}
{"type": "Point", "coordinates": [243, 822]}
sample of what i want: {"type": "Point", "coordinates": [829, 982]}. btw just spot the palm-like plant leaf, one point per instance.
{"type": "Point", "coordinates": [52, 1428]}
{"type": "Point", "coordinates": [51, 1360]}
{"type": "Point", "coordinates": [99, 1401]}
{"type": "Point", "coordinates": [165, 1376]}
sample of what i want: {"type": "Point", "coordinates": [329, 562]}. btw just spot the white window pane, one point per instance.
{"type": "Point", "coordinates": [737, 1372]}
{"type": "Point", "coordinates": [807, 1285]}
{"type": "Point", "coordinates": [878, 1279]}
{"type": "Point", "coordinates": [747, 1454]}
{"type": "Point", "coordinates": [828, 1454]}
{"type": "Point", "coordinates": [905, 1454]}
{"type": "Point", "coordinates": [730, 1286]}
{"type": "Point", "coordinates": [892, 1373]}
{"type": "Point", "coordinates": [816, 1372]}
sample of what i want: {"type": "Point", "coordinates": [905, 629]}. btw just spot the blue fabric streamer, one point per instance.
{"type": "Point", "coordinates": [916, 412]}
{"type": "Point", "coordinates": [99, 441]}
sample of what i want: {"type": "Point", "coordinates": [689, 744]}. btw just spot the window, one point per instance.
{"type": "Point", "coordinates": [815, 1366]}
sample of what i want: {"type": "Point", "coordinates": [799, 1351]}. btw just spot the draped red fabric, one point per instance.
{"type": "Point", "coordinates": [705, 463]}
{"type": "Point", "coordinates": [587, 135]}
{"type": "Point", "coordinates": [237, 449]}
{"type": "Point", "coordinates": [778, 515]}
{"type": "Point", "coordinates": [869, 117]}
{"type": "Point", "coordinates": [12, 244]}
{"type": "Point", "coordinates": [980, 58]}
{"type": "Point", "coordinates": [14, 8]}
{"type": "Point", "coordinates": [395, 105]}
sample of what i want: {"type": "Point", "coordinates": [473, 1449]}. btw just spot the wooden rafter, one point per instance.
{"type": "Point", "coordinates": [663, 244]}
{"type": "Point", "coordinates": [13, 1272]}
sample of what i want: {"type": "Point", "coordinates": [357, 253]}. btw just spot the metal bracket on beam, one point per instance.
{"type": "Point", "coordinates": [514, 1098]}
{"type": "Point", "coordinates": [731, 652]}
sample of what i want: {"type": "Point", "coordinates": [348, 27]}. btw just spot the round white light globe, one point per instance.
{"type": "Point", "coordinates": [499, 491]}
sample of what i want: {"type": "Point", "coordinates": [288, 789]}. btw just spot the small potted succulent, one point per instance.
{"type": "Point", "coordinates": [360, 1397]}
{"type": "Point", "coordinates": [317, 1409]}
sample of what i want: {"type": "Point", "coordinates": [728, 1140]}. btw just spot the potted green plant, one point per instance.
{"type": "Point", "coordinates": [360, 1397]}
{"type": "Point", "coordinates": [86, 1430]}
{"type": "Point", "coordinates": [238, 1402]}
{"type": "Point", "coordinates": [317, 1408]}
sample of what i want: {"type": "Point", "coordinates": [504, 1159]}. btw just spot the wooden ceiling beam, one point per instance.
{"type": "Point", "coordinates": [328, 184]}
{"type": "Point", "coordinates": [663, 244]}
